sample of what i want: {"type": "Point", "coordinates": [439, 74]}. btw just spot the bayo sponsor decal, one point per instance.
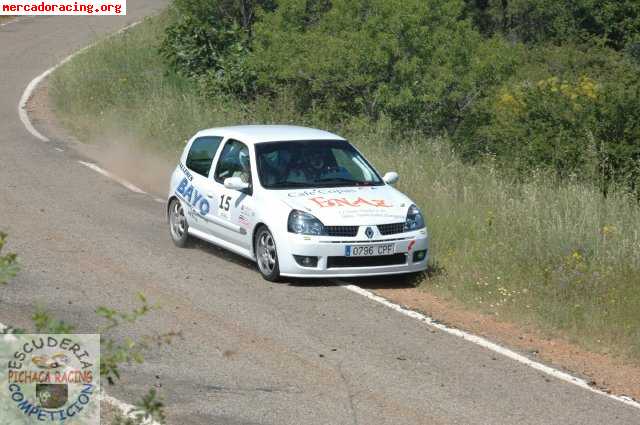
{"type": "Point", "coordinates": [194, 198]}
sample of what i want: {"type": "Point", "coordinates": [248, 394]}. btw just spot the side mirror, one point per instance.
{"type": "Point", "coordinates": [390, 178]}
{"type": "Point", "coordinates": [235, 183]}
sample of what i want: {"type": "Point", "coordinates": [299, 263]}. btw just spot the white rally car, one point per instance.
{"type": "Point", "coordinates": [300, 202]}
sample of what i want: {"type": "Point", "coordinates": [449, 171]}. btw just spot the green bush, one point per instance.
{"type": "Point", "coordinates": [208, 40]}
{"type": "Point", "coordinates": [474, 69]}
{"type": "Point", "coordinates": [8, 262]}
{"type": "Point", "coordinates": [415, 61]}
{"type": "Point", "coordinates": [615, 23]}
{"type": "Point", "coordinates": [194, 46]}
{"type": "Point", "coordinates": [573, 111]}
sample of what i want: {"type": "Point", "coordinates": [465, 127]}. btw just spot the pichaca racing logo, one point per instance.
{"type": "Point", "coordinates": [51, 378]}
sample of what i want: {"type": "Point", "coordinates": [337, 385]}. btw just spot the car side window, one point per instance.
{"type": "Point", "coordinates": [201, 154]}
{"type": "Point", "coordinates": [234, 162]}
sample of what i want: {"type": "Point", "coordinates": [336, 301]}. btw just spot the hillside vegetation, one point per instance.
{"type": "Point", "coordinates": [513, 124]}
{"type": "Point", "coordinates": [533, 83]}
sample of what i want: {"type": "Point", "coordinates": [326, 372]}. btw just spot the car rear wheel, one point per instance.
{"type": "Point", "coordinates": [178, 226]}
{"type": "Point", "coordinates": [267, 255]}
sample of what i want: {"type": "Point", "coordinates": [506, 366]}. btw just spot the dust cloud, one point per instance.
{"type": "Point", "coordinates": [130, 160]}
{"type": "Point", "coordinates": [111, 147]}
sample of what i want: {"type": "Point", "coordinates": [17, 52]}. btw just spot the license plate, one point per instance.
{"type": "Point", "coordinates": [369, 250]}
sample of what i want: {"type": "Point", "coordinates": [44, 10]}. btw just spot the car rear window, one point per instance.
{"type": "Point", "coordinates": [201, 154]}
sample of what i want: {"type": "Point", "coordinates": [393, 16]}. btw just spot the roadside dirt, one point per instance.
{"type": "Point", "coordinates": [151, 172]}
{"type": "Point", "coordinates": [605, 372]}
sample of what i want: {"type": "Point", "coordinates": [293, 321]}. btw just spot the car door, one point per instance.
{"type": "Point", "coordinates": [196, 188]}
{"type": "Point", "coordinates": [235, 209]}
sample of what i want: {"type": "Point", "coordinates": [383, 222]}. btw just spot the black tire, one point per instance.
{"type": "Point", "coordinates": [266, 255]}
{"type": "Point", "coordinates": [178, 226]}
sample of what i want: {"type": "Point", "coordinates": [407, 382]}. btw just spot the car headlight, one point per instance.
{"type": "Point", "coordinates": [304, 223]}
{"type": "Point", "coordinates": [414, 220]}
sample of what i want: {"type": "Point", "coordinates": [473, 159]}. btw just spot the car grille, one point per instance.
{"type": "Point", "coordinates": [380, 260]}
{"type": "Point", "coordinates": [391, 229]}
{"type": "Point", "coordinates": [341, 230]}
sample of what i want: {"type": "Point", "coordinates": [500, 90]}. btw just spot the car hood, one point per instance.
{"type": "Point", "coordinates": [350, 205]}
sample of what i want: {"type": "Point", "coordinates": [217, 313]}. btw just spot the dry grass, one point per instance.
{"type": "Point", "coordinates": [560, 256]}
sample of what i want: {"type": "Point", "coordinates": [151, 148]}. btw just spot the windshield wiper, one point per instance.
{"type": "Point", "coordinates": [289, 184]}
{"type": "Point", "coordinates": [344, 180]}
{"type": "Point", "coordinates": [337, 179]}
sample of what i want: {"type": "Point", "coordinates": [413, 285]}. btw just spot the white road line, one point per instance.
{"type": "Point", "coordinates": [485, 343]}
{"type": "Point", "coordinates": [125, 408]}
{"type": "Point", "coordinates": [113, 177]}
{"type": "Point", "coordinates": [22, 105]}
{"type": "Point", "coordinates": [159, 200]}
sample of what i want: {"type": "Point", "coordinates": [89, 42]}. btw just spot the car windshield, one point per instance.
{"type": "Point", "coordinates": [310, 164]}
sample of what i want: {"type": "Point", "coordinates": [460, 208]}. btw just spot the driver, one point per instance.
{"type": "Point", "coordinates": [322, 165]}
{"type": "Point", "coordinates": [245, 166]}
{"type": "Point", "coordinates": [317, 163]}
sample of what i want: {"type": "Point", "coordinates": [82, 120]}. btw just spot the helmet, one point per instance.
{"type": "Point", "coordinates": [243, 157]}
{"type": "Point", "coordinates": [316, 159]}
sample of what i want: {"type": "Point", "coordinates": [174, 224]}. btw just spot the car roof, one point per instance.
{"type": "Point", "coordinates": [269, 133]}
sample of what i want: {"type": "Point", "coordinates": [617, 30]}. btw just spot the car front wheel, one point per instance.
{"type": "Point", "coordinates": [267, 255]}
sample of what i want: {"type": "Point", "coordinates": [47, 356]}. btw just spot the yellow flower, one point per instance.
{"type": "Point", "coordinates": [509, 102]}
{"type": "Point", "coordinates": [507, 98]}
{"type": "Point", "coordinates": [609, 230]}
{"type": "Point", "coordinates": [588, 87]}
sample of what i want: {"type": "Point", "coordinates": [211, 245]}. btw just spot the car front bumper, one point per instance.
{"type": "Point", "coordinates": [332, 261]}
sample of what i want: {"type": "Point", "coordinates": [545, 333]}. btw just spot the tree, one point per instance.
{"type": "Point", "coordinates": [415, 61]}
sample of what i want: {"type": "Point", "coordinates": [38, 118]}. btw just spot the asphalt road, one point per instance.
{"type": "Point", "coordinates": [251, 352]}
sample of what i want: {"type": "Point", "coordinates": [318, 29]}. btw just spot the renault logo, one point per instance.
{"type": "Point", "coordinates": [369, 232]}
